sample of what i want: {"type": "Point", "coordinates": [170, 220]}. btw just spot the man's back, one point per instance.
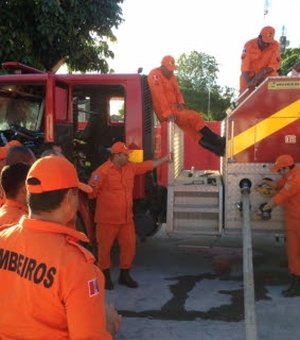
{"type": "Point", "coordinates": [49, 283]}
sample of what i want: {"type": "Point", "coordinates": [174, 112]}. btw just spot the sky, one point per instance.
{"type": "Point", "coordinates": [154, 28]}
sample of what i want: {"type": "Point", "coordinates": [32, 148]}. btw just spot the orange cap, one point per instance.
{"type": "Point", "coordinates": [120, 147]}
{"type": "Point", "coordinates": [4, 149]}
{"type": "Point", "coordinates": [53, 173]}
{"type": "Point", "coordinates": [282, 161]}
{"type": "Point", "coordinates": [3, 152]}
{"type": "Point", "coordinates": [168, 62]}
{"type": "Point", "coordinates": [267, 34]}
{"type": "Point", "coordinates": [13, 143]}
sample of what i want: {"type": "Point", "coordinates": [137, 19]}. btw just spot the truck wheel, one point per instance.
{"type": "Point", "coordinates": [145, 225]}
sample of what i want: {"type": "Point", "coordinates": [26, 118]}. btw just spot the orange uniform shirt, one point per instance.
{"type": "Point", "coordinates": [165, 94]}
{"type": "Point", "coordinates": [113, 189]}
{"type": "Point", "coordinates": [11, 212]}
{"type": "Point", "coordinates": [254, 59]}
{"type": "Point", "coordinates": [49, 286]}
{"type": "Point", "coordinates": [289, 194]}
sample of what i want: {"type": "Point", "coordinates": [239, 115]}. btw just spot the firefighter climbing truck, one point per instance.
{"type": "Point", "coordinates": [86, 114]}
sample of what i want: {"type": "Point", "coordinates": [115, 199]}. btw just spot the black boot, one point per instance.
{"type": "Point", "coordinates": [294, 288]}
{"type": "Point", "coordinates": [126, 280]}
{"type": "Point", "coordinates": [108, 282]}
{"type": "Point", "coordinates": [212, 141]}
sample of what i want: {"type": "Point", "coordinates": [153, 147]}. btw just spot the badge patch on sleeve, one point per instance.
{"type": "Point", "coordinates": [156, 79]}
{"type": "Point", "coordinates": [93, 287]}
{"type": "Point", "coordinates": [93, 181]}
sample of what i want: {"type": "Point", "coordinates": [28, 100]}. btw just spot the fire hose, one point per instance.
{"type": "Point", "coordinates": [249, 294]}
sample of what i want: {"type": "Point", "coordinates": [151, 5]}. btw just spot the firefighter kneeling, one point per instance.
{"type": "Point", "coordinates": [288, 195]}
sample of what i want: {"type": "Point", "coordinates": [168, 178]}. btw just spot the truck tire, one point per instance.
{"type": "Point", "coordinates": [145, 225]}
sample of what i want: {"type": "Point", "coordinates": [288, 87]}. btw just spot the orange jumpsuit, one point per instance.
{"type": "Point", "coordinates": [12, 211]}
{"type": "Point", "coordinates": [254, 59]}
{"type": "Point", "coordinates": [49, 286]}
{"type": "Point", "coordinates": [113, 190]}
{"type": "Point", "coordinates": [289, 197]}
{"type": "Point", "coordinates": [166, 96]}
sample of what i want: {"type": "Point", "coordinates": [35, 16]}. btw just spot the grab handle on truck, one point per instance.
{"type": "Point", "coordinates": [171, 151]}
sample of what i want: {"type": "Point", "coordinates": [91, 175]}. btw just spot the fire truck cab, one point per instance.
{"type": "Point", "coordinates": [85, 114]}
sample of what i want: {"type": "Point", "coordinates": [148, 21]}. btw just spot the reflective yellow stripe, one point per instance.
{"type": "Point", "coordinates": [264, 128]}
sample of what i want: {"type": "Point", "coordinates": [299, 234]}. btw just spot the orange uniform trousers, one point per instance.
{"type": "Point", "coordinates": [190, 122]}
{"type": "Point", "coordinates": [125, 235]}
{"type": "Point", "coordinates": [292, 229]}
{"type": "Point", "coordinates": [166, 96]}
{"type": "Point", "coordinates": [289, 197]}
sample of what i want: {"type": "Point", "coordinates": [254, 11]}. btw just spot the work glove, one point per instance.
{"type": "Point", "coordinates": [265, 211]}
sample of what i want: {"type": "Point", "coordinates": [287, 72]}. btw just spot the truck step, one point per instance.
{"type": "Point", "coordinates": [208, 209]}
{"type": "Point", "coordinates": [194, 204]}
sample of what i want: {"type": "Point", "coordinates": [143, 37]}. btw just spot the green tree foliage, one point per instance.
{"type": "Point", "coordinates": [289, 57]}
{"type": "Point", "coordinates": [197, 78]}
{"type": "Point", "coordinates": [43, 33]}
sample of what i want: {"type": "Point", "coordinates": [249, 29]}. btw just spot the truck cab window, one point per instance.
{"type": "Point", "coordinates": [116, 110]}
{"type": "Point", "coordinates": [98, 116]}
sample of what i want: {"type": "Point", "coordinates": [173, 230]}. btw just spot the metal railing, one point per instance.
{"type": "Point", "coordinates": [176, 148]}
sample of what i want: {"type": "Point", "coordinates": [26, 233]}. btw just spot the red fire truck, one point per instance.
{"type": "Point", "coordinates": [197, 193]}
{"type": "Point", "coordinates": [85, 114]}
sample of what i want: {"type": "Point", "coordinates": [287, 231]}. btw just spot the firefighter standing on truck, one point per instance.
{"type": "Point", "coordinates": [289, 196]}
{"type": "Point", "coordinates": [260, 59]}
{"type": "Point", "coordinates": [113, 185]}
{"type": "Point", "coordinates": [168, 104]}
{"type": "Point", "coordinates": [49, 285]}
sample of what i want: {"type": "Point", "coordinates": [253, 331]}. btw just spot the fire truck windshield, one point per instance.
{"type": "Point", "coordinates": [21, 105]}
